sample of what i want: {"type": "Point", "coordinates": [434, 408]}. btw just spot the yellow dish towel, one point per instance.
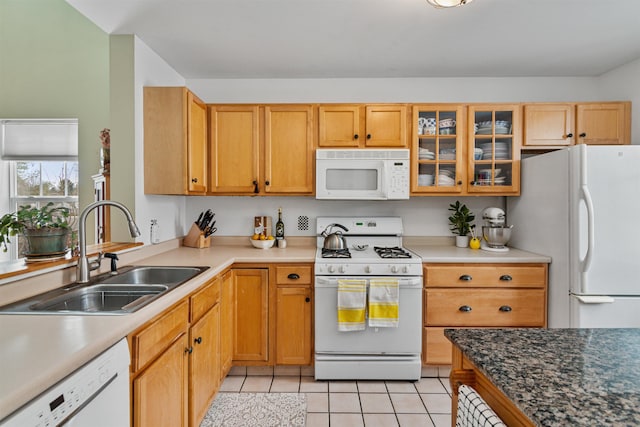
{"type": "Point", "coordinates": [352, 302]}
{"type": "Point", "coordinates": [383, 303]}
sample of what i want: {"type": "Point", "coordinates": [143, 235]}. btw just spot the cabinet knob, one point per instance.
{"type": "Point", "coordinates": [188, 350]}
{"type": "Point", "coordinates": [465, 309]}
{"type": "Point", "coordinates": [506, 278]}
{"type": "Point", "coordinates": [569, 135]}
{"type": "Point", "coordinates": [582, 135]}
{"type": "Point", "coordinates": [505, 308]}
{"type": "Point", "coordinates": [198, 340]}
{"type": "Point", "coordinates": [356, 136]}
{"type": "Point", "coordinates": [267, 183]}
{"type": "Point", "coordinates": [368, 136]}
{"type": "Point", "coordinates": [255, 187]}
{"type": "Point", "coordinates": [293, 276]}
{"type": "Point", "coordinates": [466, 278]}
{"type": "Point", "coordinates": [459, 183]}
{"type": "Point", "coordinates": [194, 180]}
{"type": "Point", "coordinates": [307, 299]}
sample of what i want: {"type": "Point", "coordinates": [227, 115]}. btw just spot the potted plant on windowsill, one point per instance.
{"type": "Point", "coordinates": [460, 223]}
{"type": "Point", "coordinates": [46, 229]}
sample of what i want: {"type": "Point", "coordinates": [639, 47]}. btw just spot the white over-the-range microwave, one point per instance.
{"type": "Point", "coordinates": [362, 174]}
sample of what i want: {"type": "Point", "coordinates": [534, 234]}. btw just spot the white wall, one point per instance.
{"type": "Point", "coordinates": [151, 70]}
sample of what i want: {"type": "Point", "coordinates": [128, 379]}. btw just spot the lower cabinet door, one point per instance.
{"type": "Point", "coordinates": [160, 392]}
{"type": "Point", "coordinates": [293, 326]}
{"type": "Point", "coordinates": [204, 378]}
{"type": "Point", "coordinates": [436, 348]}
{"type": "Point", "coordinates": [251, 326]}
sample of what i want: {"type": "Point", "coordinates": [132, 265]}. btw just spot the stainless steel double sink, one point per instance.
{"type": "Point", "coordinates": [126, 292]}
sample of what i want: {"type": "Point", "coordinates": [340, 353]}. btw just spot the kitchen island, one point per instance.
{"type": "Point", "coordinates": [551, 377]}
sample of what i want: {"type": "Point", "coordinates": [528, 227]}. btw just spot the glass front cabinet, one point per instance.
{"type": "Point", "coordinates": [460, 150]}
{"type": "Point", "coordinates": [438, 149]}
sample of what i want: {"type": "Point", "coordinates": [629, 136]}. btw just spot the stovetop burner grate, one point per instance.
{"type": "Point", "coordinates": [336, 253]}
{"type": "Point", "coordinates": [394, 252]}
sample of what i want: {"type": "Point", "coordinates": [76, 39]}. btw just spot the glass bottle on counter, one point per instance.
{"type": "Point", "coordinates": [279, 226]}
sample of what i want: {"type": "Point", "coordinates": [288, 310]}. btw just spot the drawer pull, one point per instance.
{"type": "Point", "coordinates": [506, 278]}
{"type": "Point", "coordinates": [293, 276]}
{"type": "Point", "coordinates": [465, 308]}
{"type": "Point", "coordinates": [466, 278]}
{"type": "Point", "coordinates": [505, 308]}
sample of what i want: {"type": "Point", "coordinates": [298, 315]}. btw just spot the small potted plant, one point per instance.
{"type": "Point", "coordinates": [46, 229]}
{"type": "Point", "coordinates": [460, 223]}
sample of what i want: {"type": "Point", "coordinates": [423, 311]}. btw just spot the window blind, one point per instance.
{"type": "Point", "coordinates": [39, 139]}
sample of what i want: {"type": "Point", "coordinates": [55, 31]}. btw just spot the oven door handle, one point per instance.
{"type": "Point", "coordinates": [328, 281]}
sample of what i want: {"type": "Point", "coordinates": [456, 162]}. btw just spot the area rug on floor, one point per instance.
{"type": "Point", "coordinates": [257, 409]}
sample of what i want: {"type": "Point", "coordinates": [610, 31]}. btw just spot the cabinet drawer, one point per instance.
{"type": "Point", "coordinates": [489, 275]}
{"type": "Point", "coordinates": [156, 337]}
{"type": "Point", "coordinates": [485, 307]}
{"type": "Point", "coordinates": [293, 275]}
{"type": "Point", "coordinates": [203, 299]}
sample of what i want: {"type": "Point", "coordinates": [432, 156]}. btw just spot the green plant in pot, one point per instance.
{"type": "Point", "coordinates": [46, 229]}
{"type": "Point", "coordinates": [460, 223]}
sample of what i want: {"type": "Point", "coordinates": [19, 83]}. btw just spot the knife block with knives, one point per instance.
{"type": "Point", "coordinates": [195, 238]}
{"type": "Point", "coordinates": [199, 235]}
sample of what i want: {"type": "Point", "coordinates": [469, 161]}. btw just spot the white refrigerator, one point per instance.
{"type": "Point", "coordinates": [581, 207]}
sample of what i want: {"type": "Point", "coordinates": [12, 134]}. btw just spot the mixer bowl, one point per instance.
{"type": "Point", "coordinates": [496, 237]}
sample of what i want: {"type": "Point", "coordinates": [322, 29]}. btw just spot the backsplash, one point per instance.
{"type": "Point", "coordinates": [422, 216]}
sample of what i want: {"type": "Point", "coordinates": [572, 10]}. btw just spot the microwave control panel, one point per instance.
{"type": "Point", "coordinates": [399, 180]}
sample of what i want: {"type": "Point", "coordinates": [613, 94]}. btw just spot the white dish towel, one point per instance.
{"type": "Point", "coordinates": [384, 307]}
{"type": "Point", "coordinates": [473, 411]}
{"type": "Point", "coordinates": [352, 303]}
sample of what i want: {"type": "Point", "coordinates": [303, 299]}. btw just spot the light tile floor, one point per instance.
{"type": "Point", "coordinates": [424, 403]}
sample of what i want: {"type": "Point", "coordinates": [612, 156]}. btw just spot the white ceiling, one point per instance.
{"type": "Point", "coordinates": [377, 38]}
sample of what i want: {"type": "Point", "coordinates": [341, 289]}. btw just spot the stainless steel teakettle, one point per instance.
{"type": "Point", "coordinates": [335, 240]}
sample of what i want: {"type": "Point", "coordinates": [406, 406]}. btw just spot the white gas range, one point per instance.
{"type": "Point", "coordinates": [373, 251]}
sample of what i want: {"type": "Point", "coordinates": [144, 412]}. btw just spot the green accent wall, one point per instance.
{"type": "Point", "coordinates": [54, 63]}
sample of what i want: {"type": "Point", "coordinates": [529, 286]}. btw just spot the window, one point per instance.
{"type": "Point", "coordinates": [35, 183]}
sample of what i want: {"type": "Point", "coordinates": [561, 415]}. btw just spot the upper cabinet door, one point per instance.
{"type": "Point", "coordinates": [493, 150]}
{"type": "Point", "coordinates": [605, 123]}
{"type": "Point", "coordinates": [196, 144]}
{"type": "Point", "coordinates": [386, 125]}
{"type": "Point", "coordinates": [234, 149]}
{"type": "Point", "coordinates": [339, 126]}
{"type": "Point", "coordinates": [548, 125]}
{"type": "Point", "coordinates": [289, 149]}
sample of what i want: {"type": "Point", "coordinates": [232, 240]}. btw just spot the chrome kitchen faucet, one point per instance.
{"type": "Point", "coordinates": [84, 266]}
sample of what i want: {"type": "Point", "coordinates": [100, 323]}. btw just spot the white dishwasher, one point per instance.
{"type": "Point", "coordinates": [95, 395]}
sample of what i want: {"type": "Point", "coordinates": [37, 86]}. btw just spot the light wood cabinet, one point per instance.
{"type": "Point", "coordinates": [557, 125]}
{"type": "Point", "coordinates": [479, 295]}
{"type": "Point", "coordinates": [493, 149]}
{"type": "Point", "coordinates": [438, 153]}
{"type": "Point", "coordinates": [251, 322]}
{"type": "Point", "coordinates": [175, 362]}
{"type": "Point", "coordinates": [364, 126]}
{"type": "Point", "coordinates": [261, 149]}
{"type": "Point", "coordinates": [175, 143]}
{"type": "Point", "coordinates": [294, 306]}
{"type": "Point", "coordinates": [226, 323]}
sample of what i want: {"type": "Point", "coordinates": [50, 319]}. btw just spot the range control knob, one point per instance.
{"type": "Point", "coordinates": [405, 269]}
{"type": "Point", "coordinates": [342, 269]}
{"type": "Point", "coordinates": [367, 269]}
{"type": "Point", "coordinates": [330, 269]}
{"type": "Point", "coordinates": [394, 269]}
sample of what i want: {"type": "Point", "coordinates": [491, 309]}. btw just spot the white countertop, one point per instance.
{"type": "Point", "coordinates": [37, 351]}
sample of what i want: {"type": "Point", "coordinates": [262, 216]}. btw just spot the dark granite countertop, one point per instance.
{"type": "Point", "coordinates": [561, 377]}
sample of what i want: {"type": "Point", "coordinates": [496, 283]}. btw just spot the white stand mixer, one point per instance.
{"type": "Point", "coordinates": [495, 234]}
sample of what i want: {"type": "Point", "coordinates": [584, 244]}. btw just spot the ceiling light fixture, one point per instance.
{"type": "Point", "coordinates": [441, 4]}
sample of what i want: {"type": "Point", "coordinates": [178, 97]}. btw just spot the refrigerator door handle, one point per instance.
{"type": "Point", "coordinates": [595, 299]}
{"type": "Point", "coordinates": [586, 196]}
